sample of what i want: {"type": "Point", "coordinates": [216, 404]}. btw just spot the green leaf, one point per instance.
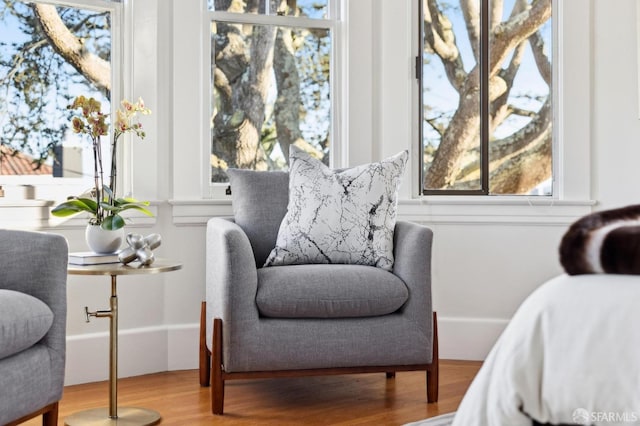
{"type": "Point", "coordinates": [119, 207]}
{"type": "Point", "coordinates": [137, 206]}
{"type": "Point", "coordinates": [75, 205]}
{"type": "Point", "coordinates": [127, 200]}
{"type": "Point", "coordinates": [89, 203]}
{"type": "Point", "coordinates": [111, 223]}
{"type": "Point", "coordinates": [109, 207]}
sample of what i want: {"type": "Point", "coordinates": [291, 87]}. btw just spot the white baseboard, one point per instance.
{"type": "Point", "coordinates": [140, 351]}
{"type": "Point", "coordinates": [183, 342]}
{"type": "Point", "coordinates": [175, 347]}
{"type": "Point", "coordinates": [468, 338]}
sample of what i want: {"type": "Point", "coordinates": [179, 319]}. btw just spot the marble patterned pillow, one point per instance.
{"type": "Point", "coordinates": [339, 216]}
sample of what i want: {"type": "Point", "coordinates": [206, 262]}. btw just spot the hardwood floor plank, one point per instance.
{"type": "Point", "coordinates": [360, 399]}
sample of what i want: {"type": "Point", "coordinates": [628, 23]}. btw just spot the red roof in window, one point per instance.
{"type": "Point", "coordinates": [12, 163]}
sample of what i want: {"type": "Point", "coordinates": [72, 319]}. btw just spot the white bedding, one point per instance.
{"type": "Point", "coordinates": [571, 354]}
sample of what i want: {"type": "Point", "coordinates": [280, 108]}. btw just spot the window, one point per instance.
{"type": "Point", "coordinates": [271, 82]}
{"type": "Point", "coordinates": [486, 97]}
{"type": "Point", "coordinates": [49, 54]}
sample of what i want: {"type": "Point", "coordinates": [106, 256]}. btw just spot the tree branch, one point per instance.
{"type": "Point", "coordinates": [542, 60]}
{"type": "Point", "coordinates": [94, 68]}
{"type": "Point", "coordinates": [495, 13]}
{"type": "Point", "coordinates": [525, 171]}
{"type": "Point", "coordinates": [19, 59]}
{"type": "Point", "coordinates": [536, 130]}
{"type": "Point", "coordinates": [471, 15]}
{"type": "Point", "coordinates": [287, 105]}
{"type": "Point", "coordinates": [519, 27]}
{"type": "Point", "coordinates": [499, 111]}
{"type": "Point", "coordinates": [441, 38]}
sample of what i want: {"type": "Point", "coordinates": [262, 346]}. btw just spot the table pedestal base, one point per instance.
{"type": "Point", "coordinates": [114, 415]}
{"type": "Point", "coordinates": [127, 416]}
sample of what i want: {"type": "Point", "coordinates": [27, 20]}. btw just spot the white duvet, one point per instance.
{"type": "Point", "coordinates": [571, 354]}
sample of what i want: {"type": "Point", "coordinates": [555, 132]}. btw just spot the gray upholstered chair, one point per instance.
{"type": "Point", "coordinates": [33, 309]}
{"type": "Point", "coordinates": [301, 320]}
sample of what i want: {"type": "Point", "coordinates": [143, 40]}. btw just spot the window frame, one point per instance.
{"type": "Point", "coordinates": [58, 188]}
{"type": "Point", "coordinates": [335, 13]}
{"type": "Point", "coordinates": [380, 116]}
{"type": "Point", "coordinates": [484, 189]}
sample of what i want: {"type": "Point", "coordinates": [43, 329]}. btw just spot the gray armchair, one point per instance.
{"type": "Point", "coordinates": [298, 320]}
{"type": "Point", "coordinates": [33, 308]}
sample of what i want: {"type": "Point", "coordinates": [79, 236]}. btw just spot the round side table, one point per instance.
{"type": "Point", "coordinates": [114, 415]}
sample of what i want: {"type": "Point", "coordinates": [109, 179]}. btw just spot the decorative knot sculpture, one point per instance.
{"type": "Point", "coordinates": [140, 248]}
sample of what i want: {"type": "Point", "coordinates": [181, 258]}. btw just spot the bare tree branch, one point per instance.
{"type": "Point", "coordinates": [542, 61]}
{"type": "Point", "coordinates": [286, 108]}
{"type": "Point", "coordinates": [463, 129]}
{"type": "Point", "coordinates": [471, 15]}
{"type": "Point", "coordinates": [440, 37]}
{"type": "Point", "coordinates": [499, 111]}
{"type": "Point", "coordinates": [96, 69]}
{"type": "Point", "coordinates": [495, 13]}
{"type": "Point", "coordinates": [533, 133]}
{"type": "Point", "coordinates": [525, 171]}
{"type": "Point", "coordinates": [508, 35]}
{"type": "Point", "coordinates": [242, 77]}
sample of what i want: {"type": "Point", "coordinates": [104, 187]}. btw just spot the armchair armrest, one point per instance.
{"type": "Point", "coordinates": [36, 264]}
{"type": "Point", "coordinates": [412, 263]}
{"type": "Point", "coordinates": [231, 277]}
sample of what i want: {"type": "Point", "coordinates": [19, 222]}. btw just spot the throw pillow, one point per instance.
{"type": "Point", "coordinates": [339, 216]}
{"type": "Point", "coordinates": [603, 242]}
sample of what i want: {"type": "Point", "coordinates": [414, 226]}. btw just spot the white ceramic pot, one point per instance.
{"type": "Point", "coordinates": [103, 241]}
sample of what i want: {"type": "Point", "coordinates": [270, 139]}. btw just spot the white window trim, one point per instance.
{"type": "Point", "coordinates": [391, 124]}
{"type": "Point", "coordinates": [566, 85]}
{"type": "Point", "coordinates": [20, 212]}
{"type": "Point", "coordinates": [557, 17]}
{"type": "Point", "coordinates": [59, 188]}
{"type": "Point", "coordinates": [572, 148]}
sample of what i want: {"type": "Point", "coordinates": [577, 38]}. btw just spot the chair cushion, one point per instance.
{"type": "Point", "coordinates": [259, 203]}
{"type": "Point", "coordinates": [24, 320]}
{"type": "Point", "coordinates": [328, 291]}
{"type": "Point", "coordinates": [339, 216]}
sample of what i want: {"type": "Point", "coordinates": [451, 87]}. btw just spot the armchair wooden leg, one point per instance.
{"type": "Point", "coordinates": [434, 367]}
{"type": "Point", "coordinates": [205, 355]}
{"type": "Point", "coordinates": [391, 374]}
{"type": "Point", "coordinates": [49, 415]}
{"type": "Point", "coordinates": [50, 418]}
{"type": "Point", "coordinates": [217, 390]}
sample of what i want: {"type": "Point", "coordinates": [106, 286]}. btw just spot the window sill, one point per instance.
{"type": "Point", "coordinates": [493, 209]}
{"type": "Point", "coordinates": [436, 210]}
{"type": "Point", "coordinates": [36, 215]}
{"type": "Point", "coordinates": [25, 214]}
{"type": "Point", "coordinates": [198, 212]}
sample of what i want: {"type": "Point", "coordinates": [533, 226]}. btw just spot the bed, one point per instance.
{"type": "Point", "coordinates": [570, 355]}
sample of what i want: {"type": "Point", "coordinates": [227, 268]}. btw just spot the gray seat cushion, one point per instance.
{"type": "Point", "coordinates": [328, 291]}
{"type": "Point", "coordinates": [24, 320]}
{"type": "Point", "coordinates": [259, 203]}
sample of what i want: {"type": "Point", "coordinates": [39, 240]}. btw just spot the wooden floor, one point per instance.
{"type": "Point", "coordinates": [362, 399]}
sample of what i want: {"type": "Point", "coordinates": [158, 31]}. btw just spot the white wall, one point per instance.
{"type": "Point", "coordinates": [488, 255]}
{"type": "Point", "coordinates": [616, 127]}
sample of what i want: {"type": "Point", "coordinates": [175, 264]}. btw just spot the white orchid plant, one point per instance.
{"type": "Point", "coordinates": [102, 204]}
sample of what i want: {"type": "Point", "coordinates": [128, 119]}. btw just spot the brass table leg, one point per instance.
{"type": "Point", "coordinates": [126, 416]}
{"type": "Point", "coordinates": [113, 351]}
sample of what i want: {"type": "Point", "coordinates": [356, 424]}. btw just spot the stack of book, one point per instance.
{"type": "Point", "coordinates": [91, 258]}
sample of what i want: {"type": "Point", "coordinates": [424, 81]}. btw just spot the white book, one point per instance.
{"type": "Point", "coordinates": [91, 258]}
